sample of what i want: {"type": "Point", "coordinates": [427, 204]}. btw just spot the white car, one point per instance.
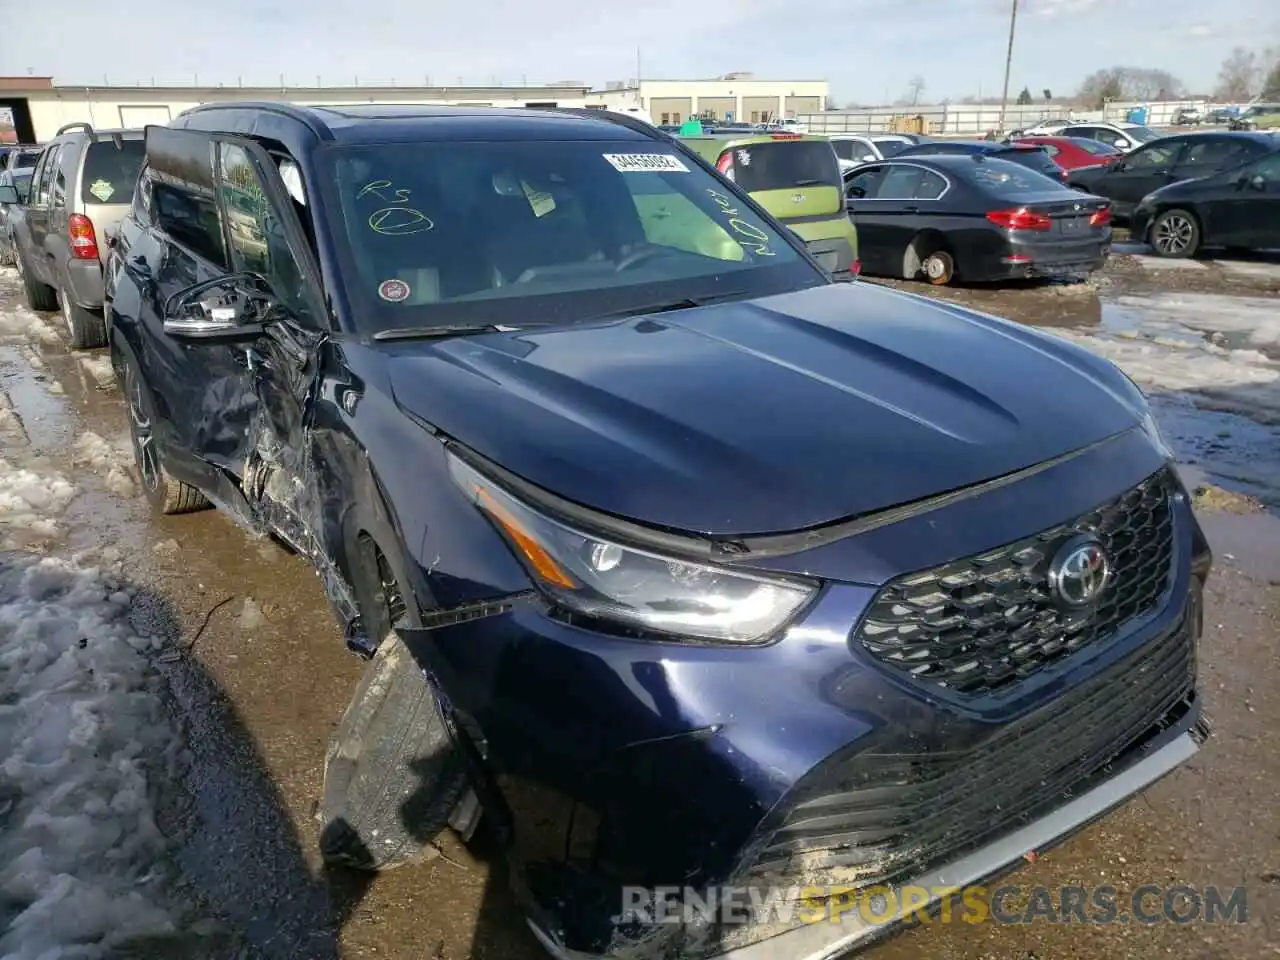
{"type": "Point", "coordinates": [1047, 128]}
{"type": "Point", "coordinates": [1121, 135]}
{"type": "Point", "coordinates": [853, 149]}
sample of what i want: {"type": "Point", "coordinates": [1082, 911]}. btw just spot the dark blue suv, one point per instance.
{"type": "Point", "coordinates": [722, 576]}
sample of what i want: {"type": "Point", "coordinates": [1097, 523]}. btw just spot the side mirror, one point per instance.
{"type": "Point", "coordinates": [869, 158]}
{"type": "Point", "coordinates": [228, 309]}
{"type": "Point", "coordinates": [9, 193]}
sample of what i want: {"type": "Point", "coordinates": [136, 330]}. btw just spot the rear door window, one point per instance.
{"type": "Point", "coordinates": [931, 186]}
{"type": "Point", "coordinates": [44, 183]}
{"type": "Point", "coordinates": [1214, 154]}
{"type": "Point", "coordinates": [901, 183]}
{"type": "Point", "coordinates": [782, 164]}
{"type": "Point", "coordinates": [111, 170]}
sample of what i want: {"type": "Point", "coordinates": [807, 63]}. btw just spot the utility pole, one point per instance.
{"type": "Point", "coordinates": [1008, 63]}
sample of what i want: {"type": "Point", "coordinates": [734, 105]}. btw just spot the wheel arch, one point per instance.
{"type": "Point", "coordinates": [923, 243]}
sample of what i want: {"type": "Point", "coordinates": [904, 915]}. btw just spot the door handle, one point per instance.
{"type": "Point", "coordinates": [912, 209]}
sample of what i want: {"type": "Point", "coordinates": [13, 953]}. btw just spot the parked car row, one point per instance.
{"type": "Point", "coordinates": [636, 511]}
{"type": "Point", "coordinates": [78, 188]}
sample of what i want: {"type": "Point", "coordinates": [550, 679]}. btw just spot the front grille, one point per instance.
{"type": "Point", "coordinates": [880, 817]}
{"type": "Point", "coordinates": [987, 621]}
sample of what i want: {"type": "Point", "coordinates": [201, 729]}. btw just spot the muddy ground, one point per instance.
{"type": "Point", "coordinates": [260, 674]}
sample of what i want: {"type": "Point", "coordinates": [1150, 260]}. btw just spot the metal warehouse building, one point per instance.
{"type": "Point", "coordinates": [39, 107]}
{"type": "Point", "coordinates": [734, 96]}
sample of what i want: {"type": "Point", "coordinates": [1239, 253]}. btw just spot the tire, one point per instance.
{"type": "Point", "coordinates": [88, 330]}
{"type": "Point", "coordinates": [40, 296]}
{"type": "Point", "coordinates": [1175, 234]}
{"type": "Point", "coordinates": [938, 268]}
{"type": "Point", "coordinates": [393, 777]}
{"type": "Point", "coordinates": [165, 494]}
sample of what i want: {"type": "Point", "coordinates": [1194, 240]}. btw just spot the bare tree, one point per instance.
{"type": "Point", "coordinates": [1271, 83]}
{"type": "Point", "coordinates": [914, 89]}
{"type": "Point", "coordinates": [1238, 76]}
{"type": "Point", "coordinates": [1129, 83]}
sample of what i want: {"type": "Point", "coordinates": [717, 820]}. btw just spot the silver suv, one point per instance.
{"type": "Point", "coordinates": [81, 187]}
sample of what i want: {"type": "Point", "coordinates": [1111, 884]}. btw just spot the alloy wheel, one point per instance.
{"type": "Point", "coordinates": [143, 437]}
{"type": "Point", "coordinates": [1173, 234]}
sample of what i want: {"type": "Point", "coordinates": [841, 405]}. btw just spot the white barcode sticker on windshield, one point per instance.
{"type": "Point", "coordinates": [646, 162]}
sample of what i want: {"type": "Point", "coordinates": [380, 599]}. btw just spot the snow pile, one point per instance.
{"type": "Point", "coordinates": [82, 726]}
{"type": "Point", "coordinates": [19, 322]}
{"type": "Point", "coordinates": [31, 502]}
{"type": "Point", "coordinates": [99, 368]}
{"type": "Point", "coordinates": [115, 463]}
{"type": "Point", "coordinates": [11, 429]}
{"type": "Point", "coordinates": [1257, 319]}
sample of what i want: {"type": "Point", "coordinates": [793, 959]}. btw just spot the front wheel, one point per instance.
{"type": "Point", "coordinates": [163, 492]}
{"type": "Point", "coordinates": [1175, 234]}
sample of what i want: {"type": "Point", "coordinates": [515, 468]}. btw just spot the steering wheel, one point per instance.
{"type": "Point", "coordinates": [642, 254]}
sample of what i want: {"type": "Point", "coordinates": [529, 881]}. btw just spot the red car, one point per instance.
{"type": "Point", "coordinates": [1072, 152]}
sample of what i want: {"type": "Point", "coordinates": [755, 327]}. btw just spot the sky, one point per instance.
{"type": "Point", "coordinates": [869, 50]}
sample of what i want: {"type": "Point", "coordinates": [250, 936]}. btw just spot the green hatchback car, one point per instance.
{"type": "Point", "coordinates": [797, 179]}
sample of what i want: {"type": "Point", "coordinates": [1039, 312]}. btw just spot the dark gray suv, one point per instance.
{"type": "Point", "coordinates": [81, 186]}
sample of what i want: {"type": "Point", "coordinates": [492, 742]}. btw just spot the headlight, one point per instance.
{"type": "Point", "coordinates": [661, 595]}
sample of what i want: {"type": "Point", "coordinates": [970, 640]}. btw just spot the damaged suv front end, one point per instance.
{"type": "Point", "coordinates": [917, 697]}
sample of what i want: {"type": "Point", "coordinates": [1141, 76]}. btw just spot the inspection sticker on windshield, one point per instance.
{"type": "Point", "coordinates": [646, 162]}
{"type": "Point", "coordinates": [393, 291]}
{"type": "Point", "coordinates": [102, 189]}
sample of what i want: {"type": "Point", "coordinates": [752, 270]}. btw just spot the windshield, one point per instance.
{"type": "Point", "coordinates": [111, 170]}
{"type": "Point", "coordinates": [783, 164]}
{"type": "Point", "coordinates": [543, 232]}
{"type": "Point", "coordinates": [1141, 134]}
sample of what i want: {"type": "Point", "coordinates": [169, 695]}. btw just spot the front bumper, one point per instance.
{"type": "Point", "coordinates": [825, 941]}
{"type": "Point", "coordinates": [636, 764]}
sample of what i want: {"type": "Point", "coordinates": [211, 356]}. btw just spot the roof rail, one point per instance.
{"type": "Point", "coordinates": [282, 108]}
{"type": "Point", "coordinates": [78, 124]}
{"type": "Point", "coordinates": [609, 116]}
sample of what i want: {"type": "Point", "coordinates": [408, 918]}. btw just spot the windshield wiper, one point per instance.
{"type": "Point", "coordinates": [666, 306]}
{"type": "Point", "coordinates": [441, 330]}
{"type": "Point", "coordinates": [812, 181]}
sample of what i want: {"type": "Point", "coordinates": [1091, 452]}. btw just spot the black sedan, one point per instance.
{"type": "Point", "coordinates": [973, 218]}
{"type": "Point", "coordinates": [1032, 156]}
{"type": "Point", "coordinates": [1239, 207]}
{"type": "Point", "coordinates": [1157, 164]}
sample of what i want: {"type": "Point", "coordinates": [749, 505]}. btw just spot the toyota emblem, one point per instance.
{"type": "Point", "coordinates": [1079, 572]}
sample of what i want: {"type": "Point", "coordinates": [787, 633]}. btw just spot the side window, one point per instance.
{"type": "Point", "coordinates": [844, 148]}
{"type": "Point", "coordinates": [255, 228]}
{"type": "Point", "coordinates": [931, 186]}
{"type": "Point", "coordinates": [865, 184]}
{"type": "Point", "coordinates": [1268, 168]}
{"type": "Point", "coordinates": [901, 183]}
{"type": "Point", "coordinates": [35, 178]}
{"type": "Point", "coordinates": [40, 195]}
{"type": "Point", "coordinates": [58, 193]}
{"type": "Point", "coordinates": [183, 203]}
{"type": "Point", "coordinates": [1050, 149]}
{"type": "Point", "coordinates": [1212, 154]}
{"type": "Point", "coordinates": [1155, 156]}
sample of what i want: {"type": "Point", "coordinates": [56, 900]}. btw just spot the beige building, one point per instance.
{"type": "Point", "coordinates": [735, 96]}
{"type": "Point", "coordinates": [40, 107]}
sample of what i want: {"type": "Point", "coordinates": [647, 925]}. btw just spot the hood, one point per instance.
{"type": "Point", "coordinates": [768, 415]}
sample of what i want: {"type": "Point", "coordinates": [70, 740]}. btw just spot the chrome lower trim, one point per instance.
{"type": "Point", "coordinates": [826, 941]}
